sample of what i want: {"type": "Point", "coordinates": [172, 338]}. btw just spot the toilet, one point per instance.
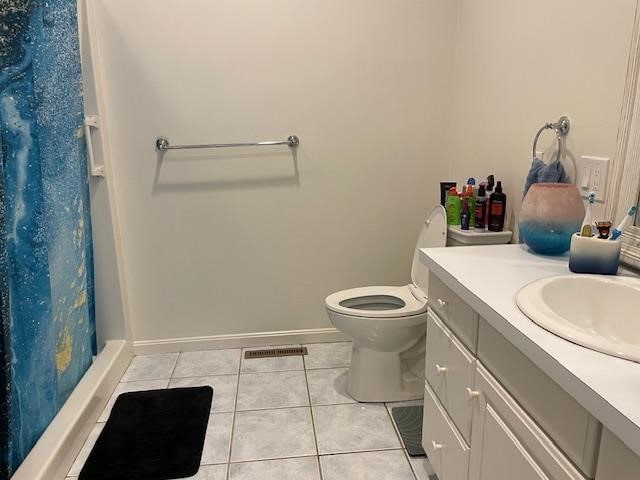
{"type": "Point", "coordinates": [387, 325]}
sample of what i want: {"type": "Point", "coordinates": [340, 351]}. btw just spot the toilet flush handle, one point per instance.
{"type": "Point", "coordinates": [436, 446]}
{"type": "Point", "coordinates": [442, 303]}
{"type": "Point", "coordinates": [441, 370]}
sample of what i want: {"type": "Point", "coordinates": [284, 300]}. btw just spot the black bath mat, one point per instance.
{"type": "Point", "coordinates": [409, 423]}
{"type": "Point", "coordinates": [152, 435]}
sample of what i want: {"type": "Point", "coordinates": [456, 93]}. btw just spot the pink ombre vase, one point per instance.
{"type": "Point", "coordinates": [551, 213]}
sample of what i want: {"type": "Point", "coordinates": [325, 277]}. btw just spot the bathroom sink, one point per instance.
{"type": "Point", "coordinates": [597, 312]}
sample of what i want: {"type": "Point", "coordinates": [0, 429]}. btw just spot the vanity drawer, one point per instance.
{"type": "Point", "coordinates": [562, 418]}
{"type": "Point", "coordinates": [456, 314]}
{"type": "Point", "coordinates": [449, 370]}
{"type": "Point", "coordinates": [446, 449]}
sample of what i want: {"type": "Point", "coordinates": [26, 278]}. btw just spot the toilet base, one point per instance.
{"type": "Point", "coordinates": [376, 376]}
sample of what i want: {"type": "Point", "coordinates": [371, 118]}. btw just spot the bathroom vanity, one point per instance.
{"type": "Point", "coordinates": [504, 398]}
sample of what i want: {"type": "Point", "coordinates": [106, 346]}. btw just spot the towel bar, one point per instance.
{"type": "Point", "coordinates": [162, 144]}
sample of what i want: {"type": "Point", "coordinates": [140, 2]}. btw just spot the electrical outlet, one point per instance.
{"type": "Point", "coordinates": [592, 176]}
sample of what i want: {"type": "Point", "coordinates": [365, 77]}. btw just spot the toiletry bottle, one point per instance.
{"type": "Point", "coordinates": [481, 210]}
{"type": "Point", "coordinates": [488, 192]}
{"type": "Point", "coordinates": [490, 184]}
{"type": "Point", "coordinates": [497, 209]}
{"type": "Point", "coordinates": [444, 192]}
{"type": "Point", "coordinates": [471, 181]}
{"type": "Point", "coordinates": [471, 198]}
{"type": "Point", "coordinates": [485, 184]}
{"type": "Point", "coordinates": [454, 207]}
{"type": "Point", "coordinates": [465, 216]}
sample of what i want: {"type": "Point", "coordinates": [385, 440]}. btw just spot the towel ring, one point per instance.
{"type": "Point", "coordinates": [561, 128]}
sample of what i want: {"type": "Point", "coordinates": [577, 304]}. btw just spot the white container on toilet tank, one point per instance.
{"type": "Point", "coordinates": [457, 237]}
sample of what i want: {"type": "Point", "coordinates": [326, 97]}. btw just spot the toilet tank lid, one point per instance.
{"type": "Point", "coordinates": [432, 234]}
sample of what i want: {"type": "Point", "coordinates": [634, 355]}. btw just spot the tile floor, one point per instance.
{"type": "Point", "coordinates": [279, 418]}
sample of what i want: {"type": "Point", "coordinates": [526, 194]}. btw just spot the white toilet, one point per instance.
{"type": "Point", "coordinates": [387, 326]}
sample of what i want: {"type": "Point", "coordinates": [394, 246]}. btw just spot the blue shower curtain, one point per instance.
{"type": "Point", "coordinates": [47, 334]}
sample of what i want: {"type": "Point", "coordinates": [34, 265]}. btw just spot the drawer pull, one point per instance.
{"type": "Point", "coordinates": [441, 370]}
{"type": "Point", "coordinates": [473, 393]}
{"type": "Point", "coordinates": [436, 446]}
{"type": "Point", "coordinates": [442, 303]}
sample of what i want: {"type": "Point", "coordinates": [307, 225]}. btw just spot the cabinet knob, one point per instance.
{"type": "Point", "coordinates": [441, 370]}
{"type": "Point", "coordinates": [473, 393]}
{"type": "Point", "coordinates": [436, 446]}
{"type": "Point", "coordinates": [442, 303]}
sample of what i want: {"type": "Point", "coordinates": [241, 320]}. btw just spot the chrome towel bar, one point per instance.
{"type": "Point", "coordinates": [162, 144]}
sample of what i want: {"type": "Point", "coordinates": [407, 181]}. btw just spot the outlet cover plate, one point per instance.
{"type": "Point", "coordinates": [592, 176]}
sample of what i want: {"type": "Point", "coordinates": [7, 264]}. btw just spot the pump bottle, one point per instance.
{"type": "Point", "coordinates": [497, 209]}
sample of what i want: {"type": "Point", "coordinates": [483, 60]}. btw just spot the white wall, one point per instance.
{"type": "Point", "coordinates": [234, 241]}
{"type": "Point", "coordinates": [519, 64]}
{"type": "Point", "coordinates": [387, 102]}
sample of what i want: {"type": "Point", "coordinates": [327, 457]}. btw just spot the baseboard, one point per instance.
{"type": "Point", "coordinates": [54, 453]}
{"type": "Point", "coordinates": [258, 339]}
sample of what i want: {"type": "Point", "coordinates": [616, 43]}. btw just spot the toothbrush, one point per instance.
{"type": "Point", "coordinates": [586, 230]}
{"type": "Point", "coordinates": [626, 221]}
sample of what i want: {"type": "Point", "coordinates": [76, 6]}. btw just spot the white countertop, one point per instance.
{"type": "Point", "coordinates": [487, 278]}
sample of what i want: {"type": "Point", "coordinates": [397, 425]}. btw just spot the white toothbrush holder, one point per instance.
{"type": "Point", "coordinates": [594, 255]}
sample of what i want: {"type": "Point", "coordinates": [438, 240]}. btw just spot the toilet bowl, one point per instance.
{"type": "Point", "coordinates": [387, 325]}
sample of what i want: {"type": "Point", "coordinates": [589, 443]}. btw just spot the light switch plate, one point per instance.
{"type": "Point", "coordinates": [592, 176]}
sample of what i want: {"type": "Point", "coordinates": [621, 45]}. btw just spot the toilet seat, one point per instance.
{"type": "Point", "coordinates": [398, 296]}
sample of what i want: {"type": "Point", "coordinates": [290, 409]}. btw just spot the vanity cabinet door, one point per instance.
{"type": "Point", "coordinates": [506, 444]}
{"type": "Point", "coordinates": [501, 456]}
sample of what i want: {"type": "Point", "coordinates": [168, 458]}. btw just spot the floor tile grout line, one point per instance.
{"type": "Point", "coordinates": [125, 370]}
{"type": "Point", "coordinates": [204, 376]}
{"type": "Point", "coordinates": [145, 380]}
{"type": "Point", "coordinates": [233, 420]}
{"type": "Point", "coordinates": [271, 371]}
{"type": "Point", "coordinates": [402, 445]}
{"type": "Point", "coordinates": [350, 452]}
{"type": "Point", "coordinates": [369, 450]}
{"type": "Point", "coordinates": [261, 460]}
{"type": "Point", "coordinates": [313, 423]}
{"type": "Point", "coordinates": [257, 460]}
{"type": "Point", "coordinates": [81, 449]}
{"type": "Point", "coordinates": [173, 370]}
{"type": "Point", "coordinates": [294, 407]}
{"type": "Point", "coordinates": [334, 367]}
{"type": "Point", "coordinates": [300, 406]}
